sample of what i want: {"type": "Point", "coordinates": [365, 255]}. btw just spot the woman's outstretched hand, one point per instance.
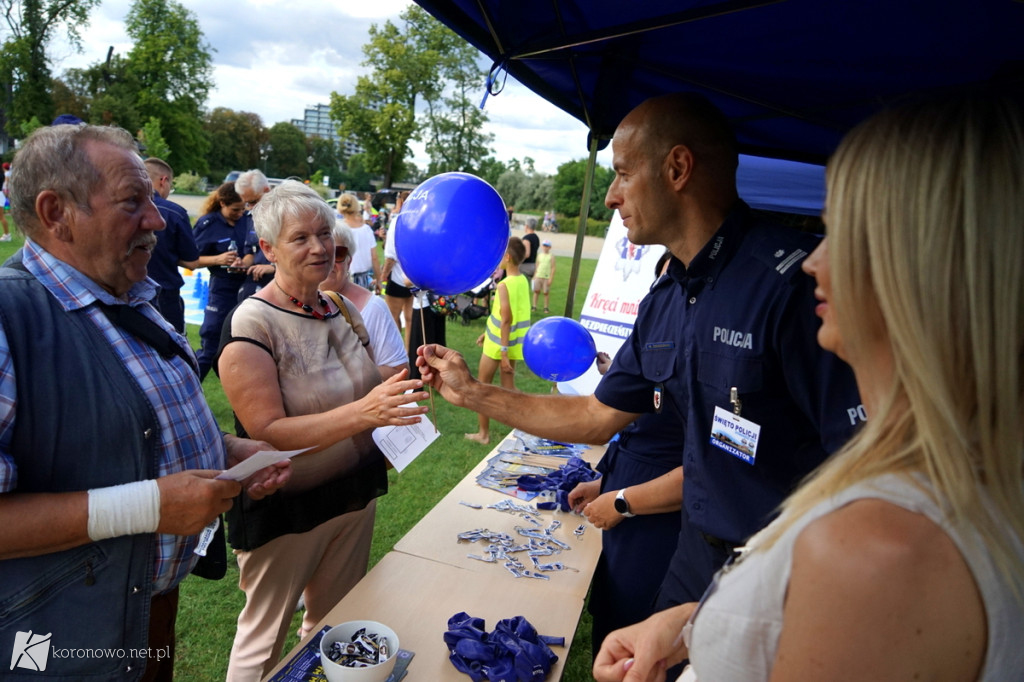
{"type": "Point", "coordinates": [388, 404]}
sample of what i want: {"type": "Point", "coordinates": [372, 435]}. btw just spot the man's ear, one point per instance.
{"type": "Point", "coordinates": [680, 166]}
{"type": "Point", "coordinates": [53, 215]}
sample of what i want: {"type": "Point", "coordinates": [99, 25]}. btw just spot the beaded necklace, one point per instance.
{"type": "Point", "coordinates": [308, 308]}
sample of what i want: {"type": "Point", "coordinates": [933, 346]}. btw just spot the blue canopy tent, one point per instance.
{"type": "Point", "coordinates": [792, 75]}
{"type": "Point", "coordinates": [780, 185]}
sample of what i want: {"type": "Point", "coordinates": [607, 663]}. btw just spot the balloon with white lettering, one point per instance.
{"type": "Point", "coordinates": [559, 349]}
{"type": "Point", "coordinates": [451, 233]}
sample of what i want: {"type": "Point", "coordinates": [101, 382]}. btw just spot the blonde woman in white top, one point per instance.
{"type": "Point", "coordinates": [365, 266]}
{"type": "Point", "coordinates": [902, 558]}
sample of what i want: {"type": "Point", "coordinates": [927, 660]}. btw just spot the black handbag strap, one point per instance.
{"type": "Point", "coordinates": [146, 330]}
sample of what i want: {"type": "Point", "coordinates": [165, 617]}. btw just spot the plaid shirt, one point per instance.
{"type": "Point", "coordinates": [190, 439]}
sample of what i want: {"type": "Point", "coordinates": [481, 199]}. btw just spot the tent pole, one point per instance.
{"type": "Point", "coordinates": [581, 229]}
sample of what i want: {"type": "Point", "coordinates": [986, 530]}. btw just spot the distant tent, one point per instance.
{"type": "Point", "coordinates": [783, 186]}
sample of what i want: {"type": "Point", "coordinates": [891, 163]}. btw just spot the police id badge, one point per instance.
{"type": "Point", "coordinates": [735, 435]}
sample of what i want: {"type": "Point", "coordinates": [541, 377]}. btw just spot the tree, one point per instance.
{"type": "Point", "coordinates": [454, 123]}
{"type": "Point", "coordinates": [381, 115]}
{"type": "Point", "coordinates": [24, 67]}
{"type": "Point", "coordinates": [235, 139]}
{"type": "Point", "coordinates": [541, 191]}
{"type": "Point", "coordinates": [152, 140]}
{"type": "Point", "coordinates": [67, 101]}
{"type": "Point", "coordinates": [326, 158]}
{"type": "Point", "coordinates": [107, 91]}
{"type": "Point", "coordinates": [568, 189]}
{"type": "Point", "coordinates": [355, 177]}
{"type": "Point", "coordinates": [490, 169]}
{"type": "Point", "coordinates": [511, 185]}
{"type": "Point", "coordinates": [522, 186]}
{"type": "Point", "coordinates": [174, 69]}
{"type": "Point", "coordinates": [288, 156]}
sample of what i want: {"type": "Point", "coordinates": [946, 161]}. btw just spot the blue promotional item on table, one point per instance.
{"type": "Point", "coordinates": [529, 455]}
{"type": "Point", "coordinates": [559, 349]}
{"type": "Point", "coordinates": [561, 482]}
{"type": "Point", "coordinates": [452, 233]}
{"type": "Point", "coordinates": [513, 651]}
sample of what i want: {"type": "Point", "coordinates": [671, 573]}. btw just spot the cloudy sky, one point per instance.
{"type": "Point", "coordinates": [275, 57]}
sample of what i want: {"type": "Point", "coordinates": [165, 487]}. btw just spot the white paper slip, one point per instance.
{"type": "Point", "coordinates": [403, 444]}
{"type": "Point", "coordinates": [261, 459]}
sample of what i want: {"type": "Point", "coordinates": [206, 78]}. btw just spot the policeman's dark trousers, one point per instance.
{"type": "Point", "coordinates": [217, 309]}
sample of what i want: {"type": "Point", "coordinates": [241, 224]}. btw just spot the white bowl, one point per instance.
{"type": "Point", "coordinates": [343, 633]}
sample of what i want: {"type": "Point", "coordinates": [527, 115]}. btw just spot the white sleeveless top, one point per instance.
{"type": "Point", "coordinates": [736, 634]}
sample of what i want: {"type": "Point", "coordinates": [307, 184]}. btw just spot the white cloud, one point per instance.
{"type": "Point", "coordinates": [275, 57]}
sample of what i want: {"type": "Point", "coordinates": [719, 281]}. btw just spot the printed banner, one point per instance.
{"type": "Point", "coordinates": [624, 275]}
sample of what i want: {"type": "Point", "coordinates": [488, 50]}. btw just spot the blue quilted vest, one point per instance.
{"type": "Point", "coordinates": [82, 422]}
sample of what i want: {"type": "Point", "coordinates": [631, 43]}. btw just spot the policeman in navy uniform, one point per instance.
{"type": "Point", "coordinates": [251, 186]}
{"type": "Point", "coordinates": [726, 343]}
{"type": "Point", "coordinates": [175, 245]}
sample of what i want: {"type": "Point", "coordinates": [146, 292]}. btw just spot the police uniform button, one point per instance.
{"type": "Point", "coordinates": [709, 280]}
{"type": "Point", "coordinates": [693, 299]}
{"type": "Point", "coordinates": [147, 433]}
{"type": "Point", "coordinates": [127, 669]}
{"type": "Point", "coordinates": [136, 589]}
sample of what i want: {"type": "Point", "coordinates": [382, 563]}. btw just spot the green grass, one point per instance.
{"type": "Point", "coordinates": [208, 609]}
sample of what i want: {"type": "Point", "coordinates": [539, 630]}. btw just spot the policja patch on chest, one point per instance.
{"type": "Point", "coordinates": [733, 338]}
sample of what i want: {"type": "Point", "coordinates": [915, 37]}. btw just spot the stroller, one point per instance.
{"type": "Point", "coordinates": [468, 310]}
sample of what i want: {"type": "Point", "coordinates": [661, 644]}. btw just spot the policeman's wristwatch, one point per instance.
{"type": "Point", "coordinates": [621, 505]}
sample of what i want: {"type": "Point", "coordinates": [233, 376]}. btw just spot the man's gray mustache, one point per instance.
{"type": "Point", "coordinates": [147, 240]}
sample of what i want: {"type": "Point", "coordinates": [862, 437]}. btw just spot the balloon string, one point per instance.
{"type": "Point", "coordinates": [430, 389]}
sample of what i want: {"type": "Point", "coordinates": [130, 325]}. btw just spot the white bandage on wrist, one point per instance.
{"type": "Point", "coordinates": [126, 509]}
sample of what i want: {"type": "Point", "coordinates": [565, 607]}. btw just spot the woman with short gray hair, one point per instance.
{"type": "Point", "coordinates": [296, 370]}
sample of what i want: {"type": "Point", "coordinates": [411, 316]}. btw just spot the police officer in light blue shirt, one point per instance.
{"type": "Point", "coordinates": [726, 341]}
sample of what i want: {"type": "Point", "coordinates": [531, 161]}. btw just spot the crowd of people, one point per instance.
{"type": "Point", "coordinates": [870, 526]}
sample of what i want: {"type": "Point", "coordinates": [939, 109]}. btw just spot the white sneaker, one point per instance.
{"type": "Point", "coordinates": [5, 238]}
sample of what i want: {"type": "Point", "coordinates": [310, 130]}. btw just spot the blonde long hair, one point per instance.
{"type": "Point", "coordinates": [926, 230]}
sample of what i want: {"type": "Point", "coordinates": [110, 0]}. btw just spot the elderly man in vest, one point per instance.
{"type": "Point", "coordinates": [108, 451]}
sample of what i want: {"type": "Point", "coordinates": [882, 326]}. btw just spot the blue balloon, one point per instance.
{"type": "Point", "coordinates": [452, 233]}
{"type": "Point", "coordinates": [559, 349]}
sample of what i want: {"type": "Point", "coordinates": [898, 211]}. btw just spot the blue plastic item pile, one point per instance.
{"type": "Point", "coordinates": [513, 652]}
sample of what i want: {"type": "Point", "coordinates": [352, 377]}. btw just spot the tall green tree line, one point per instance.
{"type": "Point", "coordinates": [160, 85]}
{"type": "Point", "coordinates": [423, 83]}
{"type": "Point", "coordinates": [25, 68]}
{"type": "Point", "coordinates": [418, 88]}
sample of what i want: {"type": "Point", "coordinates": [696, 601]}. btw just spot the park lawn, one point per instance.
{"type": "Point", "coordinates": [208, 609]}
